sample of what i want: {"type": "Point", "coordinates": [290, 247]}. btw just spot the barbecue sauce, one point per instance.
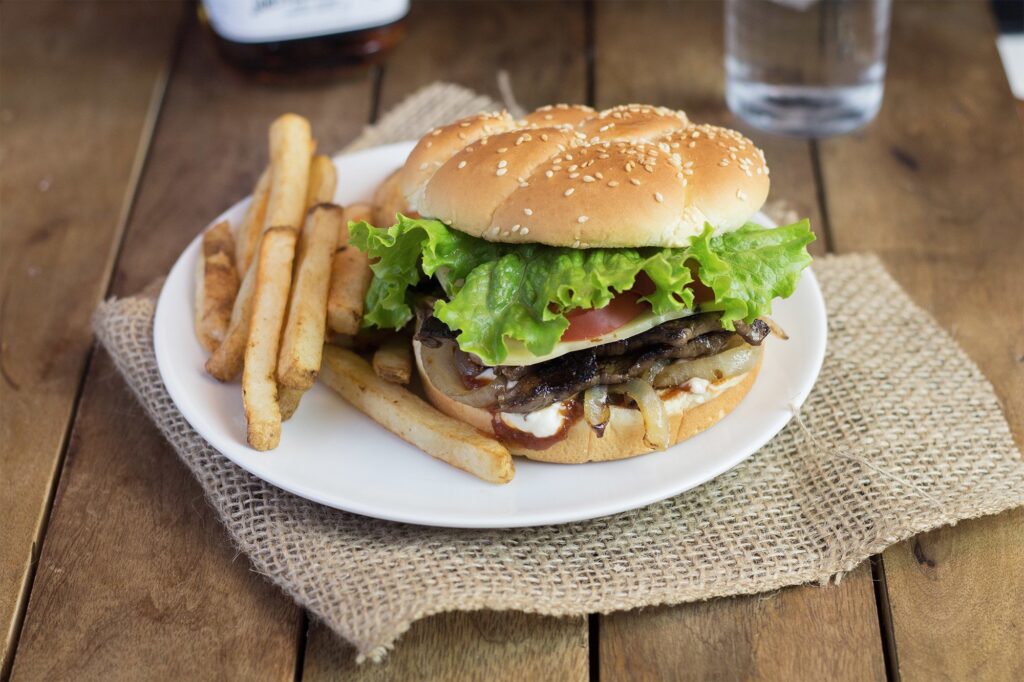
{"type": "Point", "coordinates": [572, 411]}
{"type": "Point", "coordinates": [310, 40]}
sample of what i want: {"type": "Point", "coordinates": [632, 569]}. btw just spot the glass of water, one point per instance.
{"type": "Point", "coordinates": [806, 67]}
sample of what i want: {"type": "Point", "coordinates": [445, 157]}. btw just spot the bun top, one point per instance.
{"type": "Point", "coordinates": [629, 176]}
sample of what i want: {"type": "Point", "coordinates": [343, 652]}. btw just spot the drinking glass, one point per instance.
{"type": "Point", "coordinates": [806, 67]}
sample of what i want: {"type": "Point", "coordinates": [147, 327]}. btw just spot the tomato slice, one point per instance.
{"type": "Point", "coordinates": [624, 308]}
{"type": "Point", "coordinates": [588, 324]}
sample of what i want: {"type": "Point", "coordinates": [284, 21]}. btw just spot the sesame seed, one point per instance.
{"type": "Point", "coordinates": [573, 167]}
{"type": "Point", "coordinates": [635, 181]}
{"type": "Point", "coordinates": [723, 163]}
{"type": "Point", "coordinates": [568, 157]}
{"type": "Point", "coordinates": [692, 144]}
{"type": "Point", "coordinates": [462, 164]}
{"type": "Point", "coordinates": [658, 197]}
{"type": "Point", "coordinates": [684, 182]}
{"type": "Point", "coordinates": [515, 228]}
{"type": "Point", "coordinates": [576, 244]}
{"type": "Point", "coordinates": [464, 124]}
{"type": "Point", "coordinates": [502, 163]}
{"type": "Point", "coordinates": [544, 136]}
{"type": "Point", "coordinates": [548, 117]}
{"type": "Point", "coordinates": [613, 183]}
{"type": "Point", "coordinates": [568, 192]}
{"type": "Point", "coordinates": [548, 174]}
{"type": "Point", "coordinates": [502, 150]}
{"type": "Point", "coordinates": [423, 166]}
{"type": "Point", "coordinates": [588, 178]}
{"type": "Point", "coordinates": [495, 230]}
{"type": "Point", "coordinates": [741, 195]}
{"type": "Point", "coordinates": [429, 144]}
{"type": "Point", "coordinates": [528, 211]}
{"type": "Point", "coordinates": [501, 171]}
{"type": "Point", "coordinates": [525, 230]}
{"type": "Point", "coordinates": [435, 132]}
{"type": "Point", "coordinates": [598, 176]}
{"type": "Point", "coordinates": [582, 219]}
{"type": "Point", "coordinates": [524, 183]}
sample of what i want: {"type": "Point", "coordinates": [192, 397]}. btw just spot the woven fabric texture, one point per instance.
{"type": "Point", "coordinates": [886, 446]}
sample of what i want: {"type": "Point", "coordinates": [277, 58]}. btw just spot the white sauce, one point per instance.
{"type": "Point", "coordinates": [542, 423]}
{"type": "Point", "coordinates": [697, 385]}
{"type": "Point", "coordinates": [487, 375]}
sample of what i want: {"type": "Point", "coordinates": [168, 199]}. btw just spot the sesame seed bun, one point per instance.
{"type": "Point", "coordinates": [628, 176]}
{"type": "Point", "coordinates": [688, 415]}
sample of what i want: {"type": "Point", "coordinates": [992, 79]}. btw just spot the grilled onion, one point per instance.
{"type": "Point", "coordinates": [652, 409]}
{"type": "Point", "coordinates": [728, 363]}
{"type": "Point", "coordinates": [595, 406]}
{"type": "Point", "coordinates": [439, 365]}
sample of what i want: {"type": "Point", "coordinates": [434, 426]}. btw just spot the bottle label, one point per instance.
{"type": "Point", "coordinates": [268, 21]}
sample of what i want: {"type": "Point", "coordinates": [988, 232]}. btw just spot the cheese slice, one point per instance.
{"type": "Point", "coordinates": [519, 355]}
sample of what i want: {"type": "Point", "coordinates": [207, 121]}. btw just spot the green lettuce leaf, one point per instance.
{"type": "Point", "coordinates": [498, 291]}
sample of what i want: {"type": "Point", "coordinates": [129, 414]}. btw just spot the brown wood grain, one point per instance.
{"type": "Point", "coordinates": [540, 44]}
{"type": "Point", "coordinates": [137, 579]}
{"type": "Point", "coordinates": [936, 186]}
{"type": "Point", "coordinates": [482, 645]}
{"type": "Point", "coordinates": [799, 633]}
{"type": "Point", "coordinates": [467, 43]}
{"type": "Point", "coordinates": [75, 118]}
{"type": "Point", "coordinates": [747, 637]}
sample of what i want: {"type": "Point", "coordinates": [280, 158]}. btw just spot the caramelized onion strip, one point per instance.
{"type": "Point", "coordinates": [652, 409]}
{"type": "Point", "coordinates": [729, 363]}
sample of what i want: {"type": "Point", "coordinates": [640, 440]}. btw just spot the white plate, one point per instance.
{"type": "Point", "coordinates": [335, 455]}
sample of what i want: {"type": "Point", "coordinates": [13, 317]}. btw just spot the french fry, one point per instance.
{"type": "Point", "coordinates": [216, 285]}
{"type": "Point", "coordinates": [393, 361]}
{"type": "Point", "coordinates": [252, 224]}
{"type": "Point", "coordinates": [414, 420]}
{"type": "Point", "coordinates": [323, 179]}
{"type": "Point", "coordinates": [302, 342]}
{"type": "Point", "coordinates": [291, 152]}
{"type": "Point", "coordinates": [226, 361]}
{"type": "Point", "coordinates": [289, 400]}
{"type": "Point", "coordinates": [270, 299]}
{"type": "Point", "coordinates": [350, 278]}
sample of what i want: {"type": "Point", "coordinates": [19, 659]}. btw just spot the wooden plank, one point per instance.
{"type": "Point", "coordinates": [799, 633]}
{"type": "Point", "coordinates": [540, 44]}
{"type": "Point", "coordinates": [482, 645]}
{"type": "Point", "coordinates": [76, 118]}
{"type": "Point", "coordinates": [137, 577]}
{"type": "Point", "coordinates": [935, 186]}
{"type": "Point", "coordinates": [492, 645]}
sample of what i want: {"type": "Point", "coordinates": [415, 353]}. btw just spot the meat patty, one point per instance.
{"type": "Point", "coordinates": [525, 388]}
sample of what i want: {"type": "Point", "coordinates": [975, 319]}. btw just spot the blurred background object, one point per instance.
{"type": "Point", "coordinates": [307, 39]}
{"type": "Point", "coordinates": [806, 67]}
{"type": "Point", "coordinates": [1010, 20]}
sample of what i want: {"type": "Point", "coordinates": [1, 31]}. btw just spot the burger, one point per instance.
{"type": "Point", "coordinates": [583, 285]}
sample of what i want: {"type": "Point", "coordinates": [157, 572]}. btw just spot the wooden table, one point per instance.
{"type": "Point", "coordinates": [123, 134]}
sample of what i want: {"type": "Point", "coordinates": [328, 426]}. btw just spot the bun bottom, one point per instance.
{"type": "Point", "coordinates": [688, 415]}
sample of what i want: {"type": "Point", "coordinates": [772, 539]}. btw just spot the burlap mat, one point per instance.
{"type": "Point", "coordinates": [901, 434]}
